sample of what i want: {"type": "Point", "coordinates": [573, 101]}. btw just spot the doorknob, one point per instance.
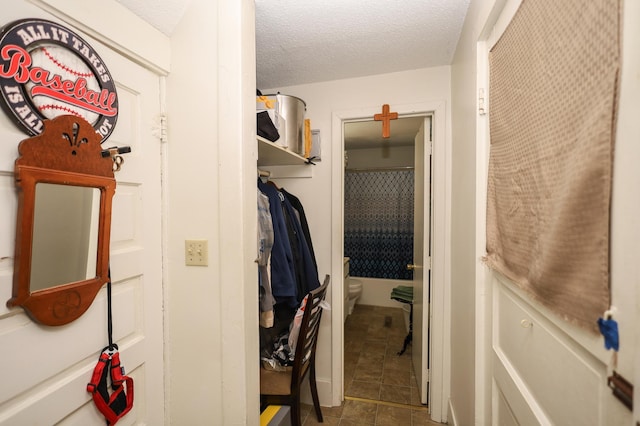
{"type": "Point", "coordinates": [411, 266]}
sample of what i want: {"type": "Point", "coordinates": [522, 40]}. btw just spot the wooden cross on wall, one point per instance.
{"type": "Point", "coordinates": [386, 118]}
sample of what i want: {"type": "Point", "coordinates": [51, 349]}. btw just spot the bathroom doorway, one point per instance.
{"type": "Point", "coordinates": [384, 189]}
{"type": "Point", "coordinates": [436, 295]}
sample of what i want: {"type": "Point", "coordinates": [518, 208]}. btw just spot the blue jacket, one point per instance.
{"type": "Point", "coordinates": [293, 273]}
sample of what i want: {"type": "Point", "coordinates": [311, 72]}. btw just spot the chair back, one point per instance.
{"type": "Point", "coordinates": [308, 335]}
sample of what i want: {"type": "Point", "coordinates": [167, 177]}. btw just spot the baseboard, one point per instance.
{"type": "Point", "coordinates": [324, 392]}
{"type": "Point", "coordinates": [451, 415]}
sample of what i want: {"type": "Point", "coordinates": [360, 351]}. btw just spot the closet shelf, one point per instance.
{"type": "Point", "coordinates": [270, 154]}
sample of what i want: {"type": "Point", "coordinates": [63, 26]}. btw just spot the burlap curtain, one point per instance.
{"type": "Point", "coordinates": [552, 102]}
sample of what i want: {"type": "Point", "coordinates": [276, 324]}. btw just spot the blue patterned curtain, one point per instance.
{"type": "Point", "coordinates": [378, 223]}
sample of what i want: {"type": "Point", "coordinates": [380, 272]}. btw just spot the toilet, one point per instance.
{"type": "Point", "coordinates": [355, 291]}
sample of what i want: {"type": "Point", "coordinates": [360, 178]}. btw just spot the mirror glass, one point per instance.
{"type": "Point", "coordinates": [65, 186]}
{"type": "Point", "coordinates": [65, 235]}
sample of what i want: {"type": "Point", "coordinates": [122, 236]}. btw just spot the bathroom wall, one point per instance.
{"type": "Point", "coordinates": [399, 156]}
{"type": "Point", "coordinates": [377, 291]}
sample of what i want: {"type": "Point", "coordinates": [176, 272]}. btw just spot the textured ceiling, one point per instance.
{"type": "Point", "coordinates": [367, 134]}
{"type": "Point", "coordinates": [164, 15]}
{"type": "Point", "coordinates": [300, 42]}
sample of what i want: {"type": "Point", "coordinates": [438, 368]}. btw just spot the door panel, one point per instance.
{"type": "Point", "coordinates": [545, 370]}
{"type": "Point", "coordinates": [421, 238]}
{"type": "Point", "coordinates": [46, 371]}
{"type": "Point", "coordinates": [541, 357]}
{"type": "Point", "coordinates": [503, 412]}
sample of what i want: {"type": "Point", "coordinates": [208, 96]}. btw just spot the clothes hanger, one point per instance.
{"type": "Point", "coordinates": [263, 175]}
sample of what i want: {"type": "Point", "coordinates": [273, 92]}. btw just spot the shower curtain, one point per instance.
{"type": "Point", "coordinates": [378, 223]}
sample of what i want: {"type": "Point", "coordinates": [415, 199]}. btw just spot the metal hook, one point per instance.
{"type": "Point", "coordinates": [114, 152]}
{"type": "Point", "coordinates": [118, 161]}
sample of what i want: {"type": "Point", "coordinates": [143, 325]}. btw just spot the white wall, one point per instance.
{"type": "Point", "coordinates": [465, 254]}
{"type": "Point", "coordinates": [376, 291]}
{"type": "Point", "coordinates": [192, 293]}
{"type": "Point", "coordinates": [212, 324]}
{"type": "Point", "coordinates": [630, 125]}
{"type": "Point", "coordinates": [401, 156]}
{"type": "Point", "coordinates": [625, 203]}
{"type": "Point", "coordinates": [323, 99]}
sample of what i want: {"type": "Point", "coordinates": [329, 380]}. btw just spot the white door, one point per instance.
{"type": "Point", "coordinates": [45, 370]}
{"type": "Point", "coordinates": [543, 370]}
{"type": "Point", "coordinates": [421, 258]}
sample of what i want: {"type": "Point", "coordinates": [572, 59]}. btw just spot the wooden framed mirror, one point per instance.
{"type": "Point", "coordinates": [65, 190]}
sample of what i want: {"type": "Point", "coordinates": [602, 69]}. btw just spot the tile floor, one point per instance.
{"type": "Point", "coordinates": [372, 369]}
{"type": "Point", "coordinates": [362, 413]}
{"type": "Point", "coordinates": [380, 387]}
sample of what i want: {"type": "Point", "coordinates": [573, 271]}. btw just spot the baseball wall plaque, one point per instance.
{"type": "Point", "coordinates": [47, 70]}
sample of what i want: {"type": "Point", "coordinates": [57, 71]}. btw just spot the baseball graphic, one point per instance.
{"type": "Point", "coordinates": [70, 67]}
{"type": "Point", "coordinates": [47, 70]}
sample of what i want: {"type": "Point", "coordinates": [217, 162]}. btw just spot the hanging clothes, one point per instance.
{"type": "Point", "coordinates": [296, 272]}
{"type": "Point", "coordinates": [265, 245]}
{"type": "Point", "coordinates": [305, 269]}
{"type": "Point", "coordinates": [292, 264]}
{"type": "Point", "coordinates": [297, 205]}
{"type": "Point", "coordinates": [283, 281]}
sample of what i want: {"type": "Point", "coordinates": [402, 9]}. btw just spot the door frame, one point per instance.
{"type": "Point", "coordinates": [440, 242]}
{"type": "Point", "coordinates": [497, 20]}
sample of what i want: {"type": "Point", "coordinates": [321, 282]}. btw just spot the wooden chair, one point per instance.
{"type": "Point", "coordinates": [283, 387]}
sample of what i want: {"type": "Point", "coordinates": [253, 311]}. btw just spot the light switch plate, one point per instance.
{"type": "Point", "coordinates": [196, 252]}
